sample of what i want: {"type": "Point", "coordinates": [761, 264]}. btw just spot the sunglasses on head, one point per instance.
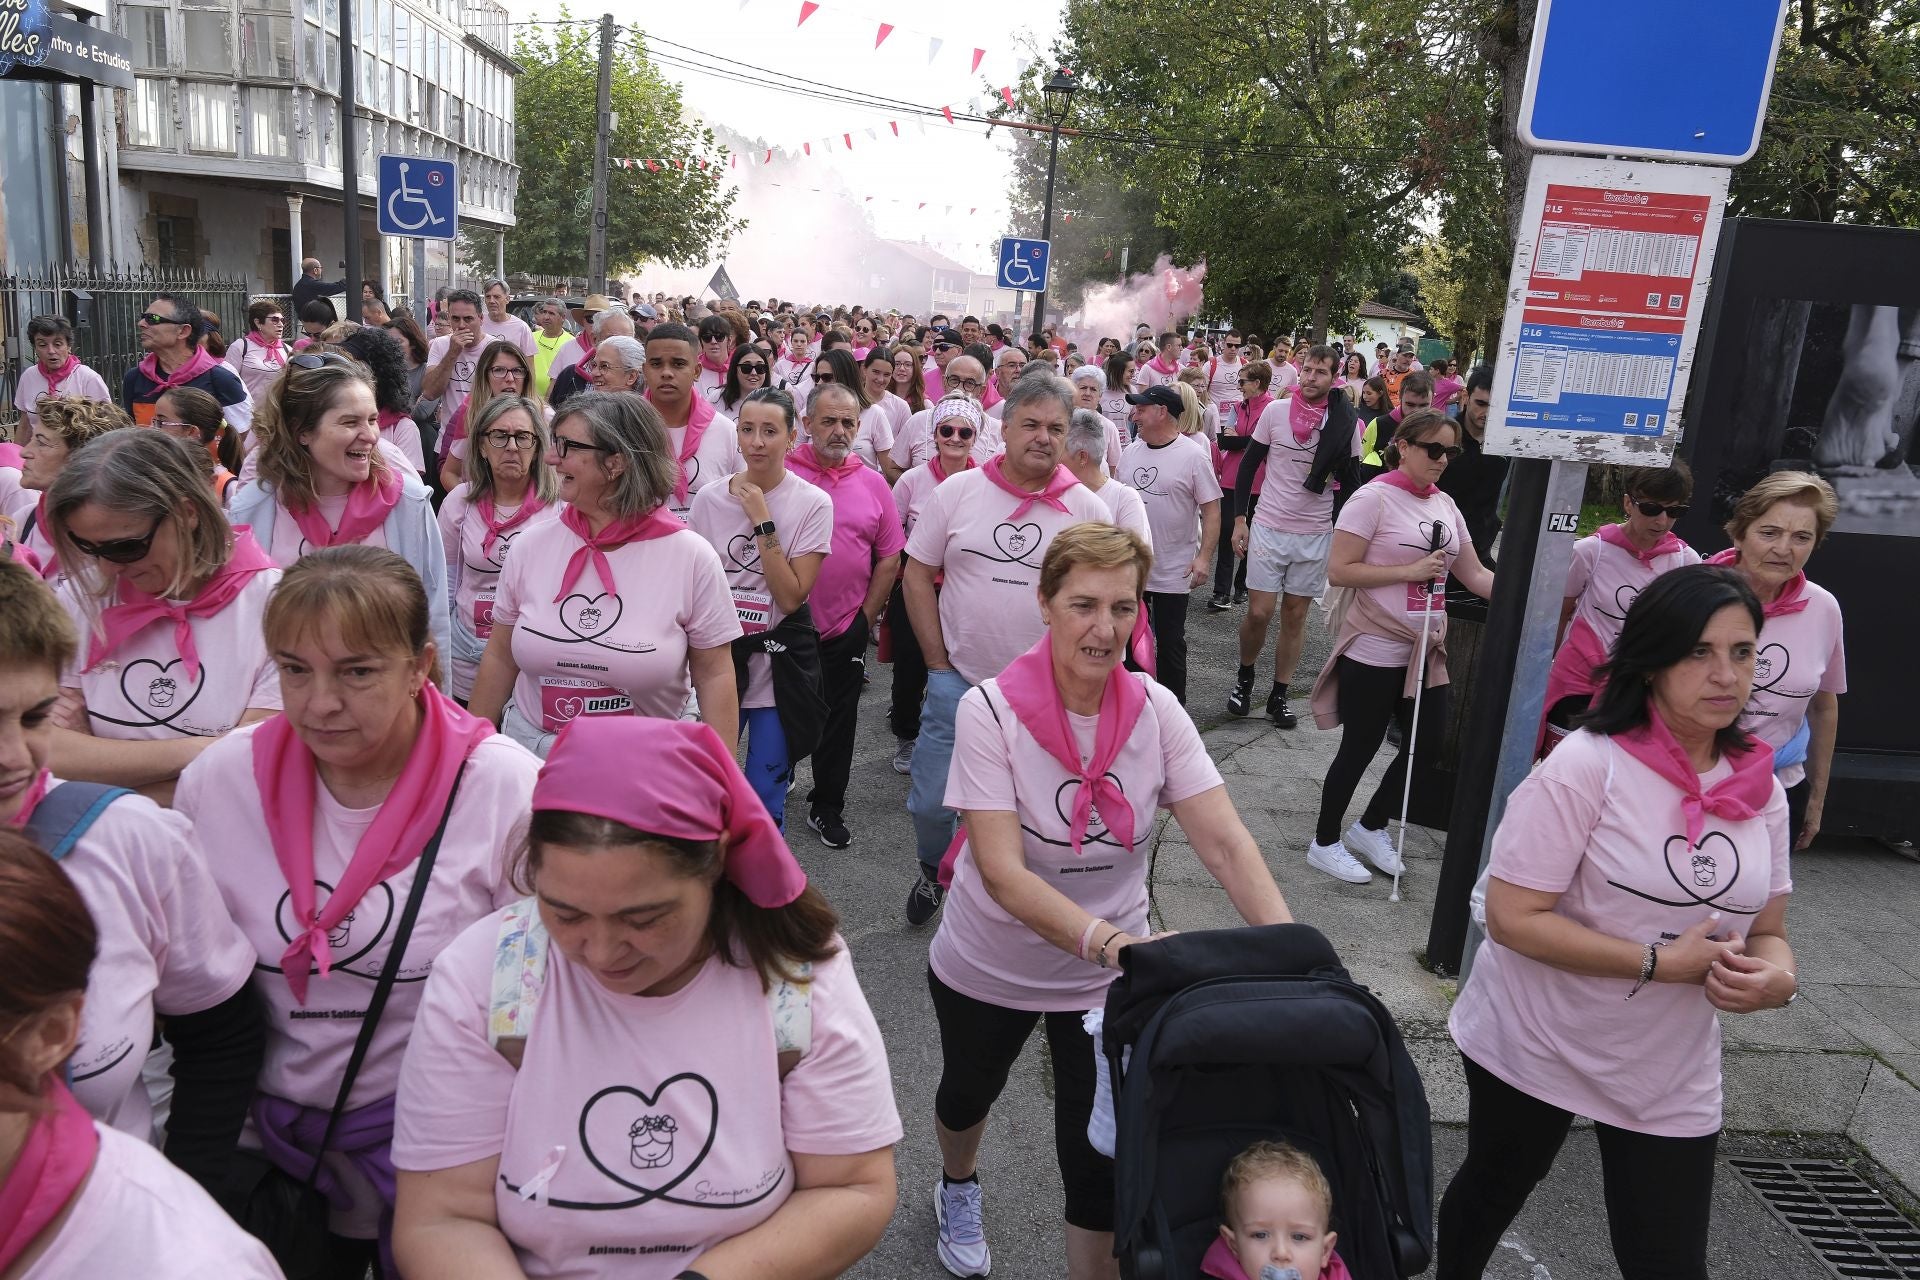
{"type": "Point", "coordinates": [1436, 451]}
{"type": "Point", "coordinates": [950, 432]}
{"type": "Point", "coordinates": [318, 360]}
{"type": "Point", "coordinates": [119, 550]}
{"type": "Point", "coordinates": [1651, 509]}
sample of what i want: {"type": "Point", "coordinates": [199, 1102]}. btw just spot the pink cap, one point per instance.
{"type": "Point", "coordinates": [671, 778]}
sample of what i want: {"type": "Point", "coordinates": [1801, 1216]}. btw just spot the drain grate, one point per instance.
{"type": "Point", "coordinates": [1853, 1228]}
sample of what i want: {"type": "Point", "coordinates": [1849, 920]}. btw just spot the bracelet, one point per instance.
{"type": "Point", "coordinates": [1648, 963]}
{"type": "Point", "coordinates": [1101, 957]}
{"type": "Point", "coordinates": [1086, 936]}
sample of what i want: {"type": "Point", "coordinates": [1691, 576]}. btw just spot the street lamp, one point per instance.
{"type": "Point", "coordinates": [1059, 93]}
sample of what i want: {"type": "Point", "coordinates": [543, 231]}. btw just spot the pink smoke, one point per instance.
{"type": "Point", "coordinates": [1161, 297]}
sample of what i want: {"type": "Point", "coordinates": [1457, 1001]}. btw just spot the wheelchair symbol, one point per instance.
{"type": "Point", "coordinates": [1020, 273]}
{"type": "Point", "coordinates": [406, 195]}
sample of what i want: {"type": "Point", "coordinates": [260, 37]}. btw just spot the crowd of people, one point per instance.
{"type": "Point", "coordinates": [342, 793]}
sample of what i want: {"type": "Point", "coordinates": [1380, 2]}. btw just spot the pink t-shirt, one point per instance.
{"type": "Point", "coordinates": [914, 444]}
{"type": "Point", "coordinates": [661, 1124]}
{"type": "Point", "coordinates": [308, 1045]}
{"type": "Point", "coordinates": [1444, 389]}
{"type": "Point", "coordinates": [1399, 528]}
{"type": "Point", "coordinates": [717, 458]}
{"type": "Point", "coordinates": [31, 386]}
{"type": "Point", "coordinates": [1801, 654]}
{"type": "Point", "coordinates": [897, 411]}
{"type": "Point", "coordinates": [983, 951]}
{"type": "Point", "coordinates": [248, 357]}
{"type": "Point", "coordinates": [1129, 512]}
{"type": "Point", "coordinates": [288, 545]}
{"type": "Point", "coordinates": [874, 437]}
{"type": "Point", "coordinates": [910, 494]}
{"type": "Point", "coordinates": [1174, 481]}
{"type": "Point", "coordinates": [804, 517]}
{"type": "Point", "coordinates": [1148, 374]}
{"type": "Point", "coordinates": [137, 1215]}
{"type": "Point", "coordinates": [16, 500]}
{"type": "Point", "coordinates": [167, 946]}
{"type": "Point", "coordinates": [473, 575]}
{"type": "Point", "coordinates": [601, 651]}
{"type": "Point", "coordinates": [988, 614]}
{"type": "Point", "coordinates": [460, 381]}
{"type": "Point", "coordinates": [1286, 504]}
{"type": "Point", "coordinates": [142, 690]}
{"type": "Point", "coordinates": [511, 329]}
{"type": "Point", "coordinates": [1604, 580]}
{"type": "Point", "coordinates": [1285, 379]}
{"type": "Point", "coordinates": [1607, 834]}
{"type": "Point", "coordinates": [1223, 382]}
{"type": "Point", "coordinates": [866, 529]}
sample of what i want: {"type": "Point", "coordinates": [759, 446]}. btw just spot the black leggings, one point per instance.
{"type": "Point", "coordinates": [1368, 697]}
{"type": "Point", "coordinates": [1229, 570]}
{"type": "Point", "coordinates": [1659, 1191]}
{"type": "Point", "coordinates": [979, 1043]}
{"type": "Point", "coordinates": [909, 669]}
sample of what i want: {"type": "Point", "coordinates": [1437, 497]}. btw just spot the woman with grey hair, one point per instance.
{"type": "Point", "coordinates": [616, 364]}
{"type": "Point", "coordinates": [167, 598]}
{"type": "Point", "coordinates": [1086, 449]}
{"type": "Point", "coordinates": [616, 607]}
{"type": "Point", "coordinates": [509, 488]}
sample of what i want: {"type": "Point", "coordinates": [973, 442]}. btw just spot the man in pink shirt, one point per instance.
{"type": "Point", "coordinates": [502, 324]}
{"type": "Point", "coordinates": [855, 582]}
{"type": "Point", "coordinates": [452, 358]}
{"type": "Point", "coordinates": [1163, 368]}
{"type": "Point", "coordinates": [986, 532]}
{"type": "Point", "coordinates": [1173, 475]}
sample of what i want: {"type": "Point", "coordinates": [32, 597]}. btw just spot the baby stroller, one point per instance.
{"type": "Point", "coordinates": [1243, 1034]}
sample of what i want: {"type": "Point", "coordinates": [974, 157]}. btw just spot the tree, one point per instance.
{"type": "Point", "coordinates": [677, 215]}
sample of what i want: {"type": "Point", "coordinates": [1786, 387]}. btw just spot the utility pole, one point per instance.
{"type": "Point", "coordinates": [349, 159]}
{"type": "Point", "coordinates": [603, 111]}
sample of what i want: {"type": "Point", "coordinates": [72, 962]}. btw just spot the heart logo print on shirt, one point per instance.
{"type": "Point", "coordinates": [1144, 478]}
{"type": "Point", "coordinates": [646, 1129]}
{"type": "Point", "coordinates": [743, 551]}
{"type": "Point", "coordinates": [1623, 597]}
{"type": "Point", "coordinates": [567, 708]}
{"type": "Point", "coordinates": [161, 691]}
{"type": "Point", "coordinates": [1770, 667]}
{"type": "Point", "coordinates": [1702, 874]}
{"type": "Point", "coordinates": [1063, 798]}
{"type": "Point", "coordinates": [354, 937]}
{"type": "Point", "coordinates": [588, 616]}
{"type": "Point", "coordinates": [1016, 541]}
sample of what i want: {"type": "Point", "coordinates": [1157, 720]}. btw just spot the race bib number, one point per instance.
{"type": "Point", "coordinates": [483, 615]}
{"type": "Point", "coordinates": [1419, 601]}
{"type": "Point", "coordinates": [755, 609]}
{"type": "Point", "coordinates": [563, 700]}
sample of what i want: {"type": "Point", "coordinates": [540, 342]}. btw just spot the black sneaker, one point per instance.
{"type": "Point", "coordinates": [1240, 701]}
{"type": "Point", "coordinates": [1280, 713]}
{"type": "Point", "coordinates": [832, 831]}
{"type": "Point", "coordinates": [1219, 604]}
{"type": "Point", "coordinates": [924, 899]}
{"type": "Point", "coordinates": [1240, 597]}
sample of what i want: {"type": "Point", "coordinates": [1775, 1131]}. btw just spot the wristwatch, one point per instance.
{"type": "Point", "coordinates": [762, 529]}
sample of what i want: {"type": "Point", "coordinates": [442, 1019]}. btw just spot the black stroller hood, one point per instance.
{"type": "Point", "coordinates": [1243, 1034]}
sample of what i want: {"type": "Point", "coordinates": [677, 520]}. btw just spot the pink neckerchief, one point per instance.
{"type": "Point", "coordinates": [992, 395]}
{"type": "Point", "coordinates": [1303, 417]}
{"type": "Point", "coordinates": [134, 609]}
{"type": "Point", "coordinates": [367, 506]}
{"type": "Point", "coordinates": [699, 417]}
{"type": "Point", "coordinates": [805, 459]}
{"type": "Point", "coordinates": [1250, 410]}
{"type": "Point", "coordinates": [1028, 685]}
{"type": "Point", "coordinates": [1049, 496]}
{"type": "Point", "coordinates": [657, 523]}
{"type": "Point", "coordinates": [1400, 480]}
{"type": "Point", "coordinates": [55, 377]}
{"type": "Point", "coordinates": [36, 792]}
{"type": "Point", "coordinates": [51, 1168]}
{"type": "Point", "coordinates": [717, 366]}
{"type": "Point", "coordinates": [1160, 363]}
{"type": "Point", "coordinates": [51, 569]}
{"type": "Point", "coordinates": [940, 473]}
{"type": "Point", "coordinates": [584, 341]}
{"type": "Point", "coordinates": [1615, 535]}
{"type": "Point", "coordinates": [1221, 1264]}
{"type": "Point", "coordinates": [1793, 596]}
{"type": "Point", "coordinates": [1737, 797]}
{"type": "Point", "coordinates": [196, 365]}
{"type": "Point", "coordinates": [10, 455]}
{"type": "Point", "coordinates": [273, 349]}
{"type": "Point", "coordinates": [529, 507]}
{"type": "Point", "coordinates": [284, 771]}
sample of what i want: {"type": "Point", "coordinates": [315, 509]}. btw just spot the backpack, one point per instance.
{"type": "Point", "coordinates": [64, 814]}
{"type": "Point", "coordinates": [520, 974]}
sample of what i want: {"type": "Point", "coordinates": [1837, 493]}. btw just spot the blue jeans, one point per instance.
{"type": "Point", "coordinates": [933, 822]}
{"type": "Point", "coordinates": [768, 769]}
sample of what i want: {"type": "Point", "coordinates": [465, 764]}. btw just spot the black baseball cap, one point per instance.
{"type": "Point", "coordinates": [1164, 396]}
{"type": "Point", "coordinates": [949, 336]}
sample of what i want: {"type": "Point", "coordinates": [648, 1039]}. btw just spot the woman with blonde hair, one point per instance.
{"type": "Point", "coordinates": [66, 424]}
{"type": "Point", "coordinates": [168, 598]}
{"type": "Point", "coordinates": [326, 479]}
{"type": "Point", "coordinates": [1801, 668]}
{"type": "Point", "coordinates": [502, 371]}
{"type": "Point", "coordinates": [359, 833]}
{"type": "Point", "coordinates": [1197, 417]}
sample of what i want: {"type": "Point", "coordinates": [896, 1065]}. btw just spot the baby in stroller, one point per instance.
{"type": "Point", "coordinates": [1275, 1206]}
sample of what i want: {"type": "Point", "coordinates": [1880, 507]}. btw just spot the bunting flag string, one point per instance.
{"type": "Point", "coordinates": [884, 30]}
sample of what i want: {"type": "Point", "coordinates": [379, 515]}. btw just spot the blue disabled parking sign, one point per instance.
{"type": "Point", "coordinates": [418, 197]}
{"type": "Point", "coordinates": [1023, 264]}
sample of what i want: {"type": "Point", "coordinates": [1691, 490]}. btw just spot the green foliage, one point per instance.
{"type": "Point", "coordinates": [678, 216]}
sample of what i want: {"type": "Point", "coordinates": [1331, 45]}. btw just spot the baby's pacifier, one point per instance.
{"type": "Point", "coordinates": [1271, 1272]}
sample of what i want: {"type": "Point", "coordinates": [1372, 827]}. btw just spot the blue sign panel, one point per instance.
{"type": "Point", "coordinates": [1610, 380]}
{"type": "Point", "coordinates": [418, 197]}
{"type": "Point", "coordinates": [1023, 264]}
{"type": "Point", "coordinates": [1618, 77]}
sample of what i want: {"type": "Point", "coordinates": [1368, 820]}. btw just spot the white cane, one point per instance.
{"type": "Point", "coordinates": [1413, 730]}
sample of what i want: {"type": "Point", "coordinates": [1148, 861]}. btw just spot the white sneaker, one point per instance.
{"type": "Point", "coordinates": [903, 755]}
{"type": "Point", "coordinates": [1337, 862]}
{"type": "Point", "coordinates": [963, 1233]}
{"type": "Point", "coordinates": [1375, 848]}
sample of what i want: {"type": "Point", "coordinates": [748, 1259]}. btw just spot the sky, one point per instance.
{"type": "Point", "coordinates": [930, 163]}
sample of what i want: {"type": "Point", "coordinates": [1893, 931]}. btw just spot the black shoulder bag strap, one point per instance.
{"type": "Point", "coordinates": [423, 871]}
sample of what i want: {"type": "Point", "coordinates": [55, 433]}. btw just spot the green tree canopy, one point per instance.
{"type": "Point", "coordinates": [681, 217]}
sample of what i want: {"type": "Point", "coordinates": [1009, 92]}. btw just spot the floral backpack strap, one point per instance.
{"type": "Point", "coordinates": [519, 974]}
{"type": "Point", "coordinates": [791, 1005]}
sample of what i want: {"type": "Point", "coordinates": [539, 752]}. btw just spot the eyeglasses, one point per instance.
{"type": "Point", "coordinates": [507, 371]}
{"type": "Point", "coordinates": [154, 317]}
{"type": "Point", "coordinates": [823, 375]}
{"type": "Point", "coordinates": [119, 550]}
{"type": "Point", "coordinates": [1651, 509]}
{"type": "Point", "coordinates": [512, 439]}
{"type": "Point", "coordinates": [174, 424]}
{"type": "Point", "coordinates": [318, 360]}
{"type": "Point", "coordinates": [968, 384]}
{"type": "Point", "coordinates": [751, 368]}
{"type": "Point", "coordinates": [564, 446]}
{"type": "Point", "coordinates": [1436, 450]}
{"type": "Point", "coordinates": [863, 328]}
{"type": "Point", "coordinates": [948, 432]}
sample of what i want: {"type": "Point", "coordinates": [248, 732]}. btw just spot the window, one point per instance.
{"type": "Point", "coordinates": [208, 40]}
{"type": "Point", "coordinates": [312, 61]}
{"type": "Point", "coordinates": [266, 46]}
{"type": "Point", "coordinates": [174, 245]}
{"type": "Point", "coordinates": [150, 114]}
{"type": "Point", "coordinates": [383, 28]}
{"type": "Point", "coordinates": [270, 123]}
{"type": "Point", "coordinates": [330, 14]}
{"type": "Point", "coordinates": [147, 30]}
{"type": "Point", "coordinates": [210, 124]}
{"type": "Point", "coordinates": [402, 40]}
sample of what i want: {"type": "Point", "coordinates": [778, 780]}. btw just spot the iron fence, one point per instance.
{"type": "Point", "coordinates": [103, 306]}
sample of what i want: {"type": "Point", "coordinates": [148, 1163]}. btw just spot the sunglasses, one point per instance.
{"type": "Point", "coordinates": [1651, 509]}
{"type": "Point", "coordinates": [943, 346]}
{"type": "Point", "coordinates": [564, 446]}
{"type": "Point", "coordinates": [1233, 346]}
{"type": "Point", "coordinates": [118, 551]}
{"type": "Point", "coordinates": [512, 439]}
{"type": "Point", "coordinates": [310, 360]}
{"type": "Point", "coordinates": [1249, 378]}
{"type": "Point", "coordinates": [864, 328]}
{"type": "Point", "coordinates": [823, 377]}
{"type": "Point", "coordinates": [752, 367]}
{"type": "Point", "coordinates": [154, 317]}
{"type": "Point", "coordinates": [1436, 450]}
{"type": "Point", "coordinates": [715, 337]}
{"type": "Point", "coordinates": [949, 432]}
